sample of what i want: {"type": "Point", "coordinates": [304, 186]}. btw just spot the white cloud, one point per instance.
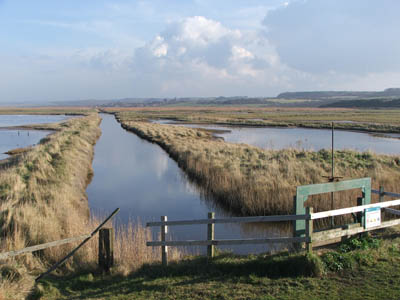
{"type": "Point", "coordinates": [296, 49]}
{"type": "Point", "coordinates": [158, 47]}
{"type": "Point", "coordinates": [354, 37]}
{"type": "Point", "coordinates": [199, 56]}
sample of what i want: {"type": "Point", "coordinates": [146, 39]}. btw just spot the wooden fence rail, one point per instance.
{"type": "Point", "coordinates": [229, 242]}
{"type": "Point", "coordinates": [105, 247]}
{"type": "Point", "coordinates": [210, 242]}
{"type": "Point", "coordinates": [42, 246]}
{"type": "Point", "coordinates": [310, 237]}
{"type": "Point", "coordinates": [349, 210]}
{"type": "Point", "coordinates": [277, 218]}
{"type": "Point", "coordinates": [382, 193]}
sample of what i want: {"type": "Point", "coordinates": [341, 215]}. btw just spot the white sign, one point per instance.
{"type": "Point", "coordinates": [372, 217]}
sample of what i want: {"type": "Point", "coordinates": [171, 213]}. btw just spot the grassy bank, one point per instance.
{"type": "Point", "coordinates": [43, 198]}
{"type": "Point", "coordinates": [252, 181]}
{"type": "Point", "coordinates": [366, 268]}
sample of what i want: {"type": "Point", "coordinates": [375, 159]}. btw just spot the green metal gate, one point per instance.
{"type": "Point", "coordinates": [304, 191]}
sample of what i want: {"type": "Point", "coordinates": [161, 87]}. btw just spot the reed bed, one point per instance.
{"type": "Point", "coordinates": [249, 180]}
{"type": "Point", "coordinates": [43, 198]}
{"type": "Point", "coordinates": [379, 121]}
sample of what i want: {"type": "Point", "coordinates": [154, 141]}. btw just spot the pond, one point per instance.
{"type": "Point", "coordinates": [302, 138]}
{"type": "Point", "coordinates": [19, 120]}
{"type": "Point", "coordinates": [142, 180]}
{"type": "Point", "coordinates": [14, 138]}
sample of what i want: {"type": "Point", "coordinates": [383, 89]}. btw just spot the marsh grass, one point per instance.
{"type": "Point", "coordinates": [43, 199]}
{"type": "Point", "coordinates": [252, 181]}
{"type": "Point", "coordinates": [360, 120]}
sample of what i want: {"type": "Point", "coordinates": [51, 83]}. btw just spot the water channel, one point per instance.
{"type": "Point", "coordinates": [142, 180]}
{"type": "Point", "coordinates": [16, 138]}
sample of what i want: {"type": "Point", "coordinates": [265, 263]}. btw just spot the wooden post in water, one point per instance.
{"type": "Point", "coordinates": [106, 249]}
{"type": "Point", "coordinates": [381, 193]}
{"type": "Point", "coordinates": [309, 229]}
{"type": "Point", "coordinates": [210, 236]}
{"type": "Point", "coordinates": [164, 249]}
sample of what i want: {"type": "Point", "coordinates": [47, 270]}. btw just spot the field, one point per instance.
{"type": "Point", "coordinates": [361, 120]}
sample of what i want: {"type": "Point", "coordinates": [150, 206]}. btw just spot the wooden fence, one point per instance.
{"type": "Point", "coordinates": [211, 242]}
{"type": "Point", "coordinates": [310, 237]}
{"type": "Point", "coordinates": [106, 257]}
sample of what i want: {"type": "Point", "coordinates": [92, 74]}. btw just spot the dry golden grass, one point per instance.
{"type": "Point", "coordinates": [46, 110]}
{"type": "Point", "coordinates": [252, 181]}
{"type": "Point", "coordinates": [43, 198]}
{"type": "Point", "coordinates": [361, 120]}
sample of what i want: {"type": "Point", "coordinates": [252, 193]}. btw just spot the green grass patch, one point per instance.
{"type": "Point", "coordinates": [341, 273]}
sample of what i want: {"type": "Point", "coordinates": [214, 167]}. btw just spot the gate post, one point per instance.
{"type": "Point", "coordinates": [309, 228]}
{"type": "Point", "coordinates": [164, 249]}
{"type": "Point", "coordinates": [106, 249]}
{"type": "Point", "coordinates": [210, 236]}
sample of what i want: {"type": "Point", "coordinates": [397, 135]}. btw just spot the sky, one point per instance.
{"type": "Point", "coordinates": [109, 49]}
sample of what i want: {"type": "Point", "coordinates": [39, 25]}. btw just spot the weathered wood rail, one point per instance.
{"type": "Point", "coordinates": [309, 237]}
{"type": "Point", "coordinates": [106, 237]}
{"type": "Point", "coordinates": [210, 242]}
{"type": "Point", "coordinates": [31, 249]}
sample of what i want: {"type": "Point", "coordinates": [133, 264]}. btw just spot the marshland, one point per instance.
{"type": "Point", "coordinates": [65, 184]}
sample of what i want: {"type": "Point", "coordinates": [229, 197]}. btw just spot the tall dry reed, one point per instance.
{"type": "Point", "coordinates": [43, 198]}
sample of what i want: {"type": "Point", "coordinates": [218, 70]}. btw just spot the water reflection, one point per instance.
{"type": "Point", "coordinates": [302, 138]}
{"type": "Point", "coordinates": [141, 179]}
{"type": "Point", "coordinates": [11, 139]}
{"type": "Point", "coordinates": [17, 120]}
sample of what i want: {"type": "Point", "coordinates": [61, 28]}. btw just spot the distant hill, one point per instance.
{"type": "Point", "coordinates": [323, 95]}
{"type": "Point", "coordinates": [371, 103]}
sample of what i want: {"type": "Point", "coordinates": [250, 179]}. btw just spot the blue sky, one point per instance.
{"type": "Point", "coordinates": [75, 49]}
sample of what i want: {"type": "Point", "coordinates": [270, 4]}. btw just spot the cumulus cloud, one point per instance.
{"type": "Point", "coordinates": [355, 37]}
{"type": "Point", "coordinates": [301, 45]}
{"type": "Point", "coordinates": [199, 56]}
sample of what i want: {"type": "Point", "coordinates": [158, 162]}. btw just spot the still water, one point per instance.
{"type": "Point", "coordinates": [11, 138]}
{"type": "Point", "coordinates": [17, 120]}
{"type": "Point", "coordinates": [303, 138]}
{"type": "Point", "coordinates": [141, 179]}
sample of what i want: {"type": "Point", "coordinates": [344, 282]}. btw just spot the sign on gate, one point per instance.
{"type": "Point", "coordinates": [372, 217]}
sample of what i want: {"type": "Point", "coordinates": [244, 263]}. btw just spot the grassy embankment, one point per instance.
{"type": "Point", "coordinates": [42, 193]}
{"type": "Point", "coordinates": [379, 121]}
{"type": "Point", "coordinates": [43, 198]}
{"type": "Point", "coordinates": [253, 181]}
{"type": "Point", "coordinates": [367, 268]}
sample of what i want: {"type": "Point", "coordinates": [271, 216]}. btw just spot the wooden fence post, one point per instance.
{"type": "Point", "coordinates": [309, 229]}
{"type": "Point", "coordinates": [360, 215]}
{"type": "Point", "coordinates": [210, 236]}
{"type": "Point", "coordinates": [381, 193]}
{"type": "Point", "coordinates": [164, 249]}
{"type": "Point", "coordinates": [106, 249]}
